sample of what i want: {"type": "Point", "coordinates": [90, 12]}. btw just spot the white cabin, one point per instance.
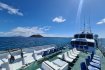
{"type": "Point", "coordinates": [84, 41]}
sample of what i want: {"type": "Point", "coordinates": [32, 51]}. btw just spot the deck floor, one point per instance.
{"type": "Point", "coordinates": [76, 66]}
{"type": "Point", "coordinates": [83, 56]}
{"type": "Point", "coordinates": [98, 52]}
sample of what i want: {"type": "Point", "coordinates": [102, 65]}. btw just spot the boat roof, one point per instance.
{"type": "Point", "coordinates": [85, 33]}
{"type": "Point", "coordinates": [84, 40]}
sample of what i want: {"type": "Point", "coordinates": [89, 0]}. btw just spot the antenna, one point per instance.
{"type": "Point", "coordinates": [84, 26]}
{"type": "Point", "coordinates": [80, 26]}
{"type": "Point", "coordinates": [89, 25]}
{"type": "Point", "coordinates": [90, 21]}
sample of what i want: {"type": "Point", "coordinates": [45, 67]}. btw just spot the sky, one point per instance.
{"type": "Point", "coordinates": [51, 18]}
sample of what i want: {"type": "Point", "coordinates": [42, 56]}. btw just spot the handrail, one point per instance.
{"type": "Point", "coordinates": [101, 48]}
{"type": "Point", "coordinates": [103, 52]}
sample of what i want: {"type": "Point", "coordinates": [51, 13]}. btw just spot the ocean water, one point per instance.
{"type": "Point", "coordinates": [25, 42]}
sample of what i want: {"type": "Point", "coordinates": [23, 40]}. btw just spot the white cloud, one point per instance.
{"type": "Point", "coordinates": [101, 22]}
{"type": "Point", "coordinates": [46, 28]}
{"type": "Point", "coordinates": [25, 31]}
{"type": "Point", "coordinates": [28, 31]}
{"type": "Point", "coordinates": [59, 19]}
{"type": "Point", "coordinates": [10, 9]}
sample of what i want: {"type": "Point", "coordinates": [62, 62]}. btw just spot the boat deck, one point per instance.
{"type": "Point", "coordinates": [82, 56]}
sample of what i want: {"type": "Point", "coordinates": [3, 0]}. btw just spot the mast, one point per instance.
{"type": "Point", "coordinates": [90, 25]}
{"type": "Point", "coordinates": [87, 26]}
{"type": "Point", "coordinates": [84, 26]}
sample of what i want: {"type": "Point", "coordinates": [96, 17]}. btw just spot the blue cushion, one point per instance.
{"type": "Point", "coordinates": [95, 65]}
{"type": "Point", "coordinates": [55, 50]}
{"type": "Point", "coordinates": [89, 62]}
{"type": "Point", "coordinates": [83, 66]}
{"type": "Point", "coordinates": [51, 51]}
{"type": "Point", "coordinates": [45, 53]}
{"type": "Point", "coordinates": [96, 61]}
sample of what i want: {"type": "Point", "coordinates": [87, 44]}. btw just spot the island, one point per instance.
{"type": "Point", "coordinates": [38, 35]}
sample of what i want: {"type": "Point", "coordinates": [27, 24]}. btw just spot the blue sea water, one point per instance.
{"type": "Point", "coordinates": [24, 42]}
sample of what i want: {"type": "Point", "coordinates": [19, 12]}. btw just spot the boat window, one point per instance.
{"type": "Point", "coordinates": [76, 36]}
{"type": "Point", "coordinates": [89, 36]}
{"type": "Point", "coordinates": [91, 44]}
{"type": "Point", "coordinates": [77, 43]}
{"type": "Point", "coordinates": [83, 43]}
{"type": "Point", "coordinates": [82, 36]}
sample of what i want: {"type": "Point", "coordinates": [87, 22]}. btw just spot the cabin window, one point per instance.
{"type": "Point", "coordinates": [89, 36]}
{"type": "Point", "coordinates": [83, 43]}
{"type": "Point", "coordinates": [76, 36]}
{"type": "Point", "coordinates": [91, 44]}
{"type": "Point", "coordinates": [77, 43]}
{"type": "Point", "coordinates": [82, 36]}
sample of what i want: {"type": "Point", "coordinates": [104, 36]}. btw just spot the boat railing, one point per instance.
{"type": "Point", "coordinates": [35, 48]}
{"type": "Point", "coordinates": [102, 49]}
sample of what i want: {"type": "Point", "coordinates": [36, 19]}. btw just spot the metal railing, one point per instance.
{"type": "Point", "coordinates": [101, 47]}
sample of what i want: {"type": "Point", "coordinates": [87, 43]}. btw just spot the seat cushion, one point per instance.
{"type": "Point", "coordinates": [96, 61]}
{"type": "Point", "coordinates": [92, 68]}
{"type": "Point", "coordinates": [70, 55]}
{"type": "Point", "coordinates": [60, 56]}
{"type": "Point", "coordinates": [53, 66]}
{"type": "Point", "coordinates": [96, 58]}
{"type": "Point", "coordinates": [95, 64]}
{"type": "Point", "coordinates": [59, 62]}
{"type": "Point", "coordinates": [39, 69]}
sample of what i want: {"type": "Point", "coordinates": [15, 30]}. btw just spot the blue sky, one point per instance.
{"type": "Point", "coordinates": [50, 17]}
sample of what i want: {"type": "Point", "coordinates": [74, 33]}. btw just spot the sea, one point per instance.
{"type": "Point", "coordinates": [26, 42]}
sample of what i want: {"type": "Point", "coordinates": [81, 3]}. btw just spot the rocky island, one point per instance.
{"type": "Point", "coordinates": [36, 36]}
